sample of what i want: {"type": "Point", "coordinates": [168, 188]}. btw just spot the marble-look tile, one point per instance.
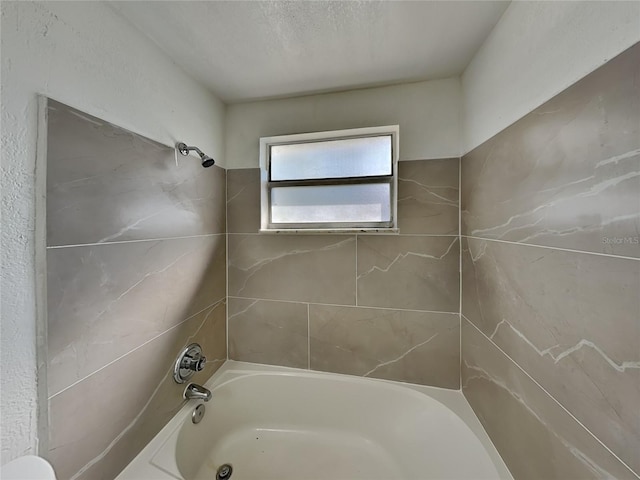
{"type": "Point", "coordinates": [571, 320]}
{"type": "Point", "coordinates": [415, 347]}
{"type": "Point", "coordinates": [314, 268]}
{"type": "Point", "coordinates": [535, 436]}
{"type": "Point", "coordinates": [243, 200]}
{"type": "Point", "coordinates": [567, 174]}
{"type": "Point", "coordinates": [104, 300]}
{"type": "Point", "coordinates": [263, 331]}
{"type": "Point", "coordinates": [100, 424]}
{"type": "Point", "coordinates": [107, 184]}
{"type": "Point", "coordinates": [415, 273]}
{"type": "Point", "coordinates": [428, 197]}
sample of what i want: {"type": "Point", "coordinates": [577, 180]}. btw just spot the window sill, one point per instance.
{"type": "Point", "coordinates": [319, 231]}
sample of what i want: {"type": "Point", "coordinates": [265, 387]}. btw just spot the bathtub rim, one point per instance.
{"type": "Point", "coordinates": [143, 465]}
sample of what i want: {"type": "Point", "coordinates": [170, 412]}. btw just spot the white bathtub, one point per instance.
{"type": "Point", "coordinates": [281, 423]}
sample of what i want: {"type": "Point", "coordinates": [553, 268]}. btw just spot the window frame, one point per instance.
{"type": "Point", "coordinates": [266, 226]}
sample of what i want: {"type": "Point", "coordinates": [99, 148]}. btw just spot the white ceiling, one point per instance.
{"type": "Point", "coordinates": [245, 50]}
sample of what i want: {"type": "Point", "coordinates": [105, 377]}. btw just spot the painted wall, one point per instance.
{"type": "Point", "coordinates": [84, 55]}
{"type": "Point", "coordinates": [536, 50]}
{"type": "Point", "coordinates": [428, 114]}
{"type": "Point", "coordinates": [551, 274]}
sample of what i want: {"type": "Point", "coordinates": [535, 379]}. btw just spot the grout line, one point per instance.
{"type": "Point", "coordinates": [381, 234]}
{"type": "Point", "coordinates": [347, 306]}
{"type": "Point", "coordinates": [460, 351]}
{"type": "Point", "coordinates": [136, 348]}
{"type": "Point", "coordinates": [550, 396]}
{"type": "Point", "coordinates": [308, 338]}
{"type": "Point", "coordinates": [553, 248]}
{"type": "Point", "coordinates": [460, 263]}
{"type": "Point", "coordinates": [226, 264]}
{"type": "Point", "coordinates": [57, 247]}
{"type": "Point", "coordinates": [356, 270]}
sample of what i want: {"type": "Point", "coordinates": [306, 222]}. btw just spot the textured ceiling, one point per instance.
{"type": "Point", "coordinates": [246, 50]}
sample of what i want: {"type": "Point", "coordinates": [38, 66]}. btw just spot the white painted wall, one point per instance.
{"type": "Point", "coordinates": [428, 114]}
{"type": "Point", "coordinates": [537, 50]}
{"type": "Point", "coordinates": [82, 54]}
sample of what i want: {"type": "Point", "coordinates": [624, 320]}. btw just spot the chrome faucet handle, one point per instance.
{"type": "Point", "coordinates": [198, 366]}
{"type": "Point", "coordinates": [195, 362]}
{"type": "Point", "coordinates": [190, 361]}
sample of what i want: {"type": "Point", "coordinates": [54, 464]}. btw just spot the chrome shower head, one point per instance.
{"type": "Point", "coordinates": [207, 161]}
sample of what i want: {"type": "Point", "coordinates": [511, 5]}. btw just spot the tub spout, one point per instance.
{"type": "Point", "coordinates": [197, 392]}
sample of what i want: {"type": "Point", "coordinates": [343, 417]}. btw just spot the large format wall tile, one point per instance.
{"type": "Point", "coordinates": [428, 197]}
{"type": "Point", "coordinates": [535, 436]}
{"type": "Point", "coordinates": [243, 200]}
{"type": "Point", "coordinates": [416, 347]}
{"type": "Point", "coordinates": [298, 268]}
{"type": "Point", "coordinates": [416, 273]}
{"type": "Point", "coordinates": [571, 320]}
{"type": "Point", "coordinates": [107, 184]}
{"type": "Point", "coordinates": [269, 332]}
{"type": "Point", "coordinates": [105, 300]}
{"type": "Point", "coordinates": [99, 425]}
{"type": "Point", "coordinates": [567, 174]}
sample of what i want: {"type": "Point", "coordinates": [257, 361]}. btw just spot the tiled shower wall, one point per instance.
{"type": "Point", "coordinates": [550, 328]}
{"type": "Point", "coordinates": [383, 306]}
{"type": "Point", "coordinates": [551, 281]}
{"type": "Point", "coordinates": [135, 271]}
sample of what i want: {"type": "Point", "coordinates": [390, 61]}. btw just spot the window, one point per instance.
{"type": "Point", "coordinates": [330, 181]}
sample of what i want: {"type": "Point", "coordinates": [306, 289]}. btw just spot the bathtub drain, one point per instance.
{"type": "Point", "coordinates": [224, 472]}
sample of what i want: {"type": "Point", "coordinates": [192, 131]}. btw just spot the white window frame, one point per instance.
{"type": "Point", "coordinates": [265, 208]}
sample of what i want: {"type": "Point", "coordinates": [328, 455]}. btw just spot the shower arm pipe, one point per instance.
{"type": "Point", "coordinates": [185, 149]}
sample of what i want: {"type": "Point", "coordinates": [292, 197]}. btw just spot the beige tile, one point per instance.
{"type": "Point", "coordinates": [107, 184]}
{"type": "Point", "coordinates": [571, 320]}
{"type": "Point", "coordinates": [299, 268]}
{"type": "Point", "coordinates": [415, 347]}
{"type": "Point", "coordinates": [100, 424]}
{"type": "Point", "coordinates": [428, 197]}
{"type": "Point", "coordinates": [415, 273]}
{"type": "Point", "coordinates": [263, 331]}
{"type": "Point", "coordinates": [536, 437]}
{"type": "Point", "coordinates": [104, 300]}
{"type": "Point", "coordinates": [243, 200]}
{"type": "Point", "coordinates": [567, 174]}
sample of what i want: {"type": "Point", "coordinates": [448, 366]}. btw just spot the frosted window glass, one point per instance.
{"type": "Point", "coordinates": [331, 204]}
{"type": "Point", "coordinates": [350, 157]}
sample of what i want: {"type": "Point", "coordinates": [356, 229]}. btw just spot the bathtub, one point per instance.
{"type": "Point", "coordinates": [283, 423]}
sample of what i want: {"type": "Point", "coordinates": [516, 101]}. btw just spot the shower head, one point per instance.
{"type": "Point", "coordinates": [207, 161]}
